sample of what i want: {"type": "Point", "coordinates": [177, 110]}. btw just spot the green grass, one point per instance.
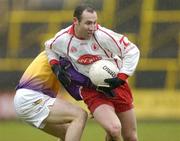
{"type": "Point", "coordinates": [159, 130]}
{"type": "Point", "coordinates": [147, 131]}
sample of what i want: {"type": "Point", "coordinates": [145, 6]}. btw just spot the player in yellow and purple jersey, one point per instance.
{"type": "Point", "coordinates": [36, 101]}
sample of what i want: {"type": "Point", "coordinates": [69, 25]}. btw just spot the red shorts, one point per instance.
{"type": "Point", "coordinates": [123, 100]}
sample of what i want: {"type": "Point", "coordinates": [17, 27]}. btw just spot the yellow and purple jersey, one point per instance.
{"type": "Point", "coordinates": [39, 76]}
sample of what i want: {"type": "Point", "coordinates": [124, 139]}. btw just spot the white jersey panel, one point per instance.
{"type": "Point", "coordinates": [104, 44]}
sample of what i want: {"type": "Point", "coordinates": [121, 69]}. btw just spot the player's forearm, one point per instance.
{"type": "Point", "coordinates": [130, 61]}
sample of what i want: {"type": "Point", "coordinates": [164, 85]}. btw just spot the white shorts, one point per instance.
{"type": "Point", "coordinates": [32, 106]}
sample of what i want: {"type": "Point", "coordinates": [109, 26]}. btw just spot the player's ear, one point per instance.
{"type": "Point", "coordinates": [75, 21]}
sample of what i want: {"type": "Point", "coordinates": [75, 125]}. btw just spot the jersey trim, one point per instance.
{"type": "Point", "coordinates": [68, 47]}
{"type": "Point", "coordinates": [57, 38]}
{"type": "Point", "coordinates": [105, 51]}
{"type": "Point", "coordinates": [101, 46]}
{"type": "Point", "coordinates": [53, 61]}
{"type": "Point", "coordinates": [112, 39]}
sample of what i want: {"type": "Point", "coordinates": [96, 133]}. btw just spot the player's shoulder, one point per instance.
{"type": "Point", "coordinates": [62, 37]}
{"type": "Point", "coordinates": [63, 32]}
{"type": "Point", "coordinates": [40, 65]}
{"type": "Point", "coordinates": [105, 33]}
{"type": "Point", "coordinates": [101, 29]}
{"type": "Point", "coordinates": [40, 58]}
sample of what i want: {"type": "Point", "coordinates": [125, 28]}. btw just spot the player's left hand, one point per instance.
{"type": "Point", "coordinates": [114, 82]}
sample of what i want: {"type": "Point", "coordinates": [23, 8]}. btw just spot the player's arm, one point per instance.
{"type": "Point", "coordinates": [60, 70]}
{"type": "Point", "coordinates": [130, 58]}
{"type": "Point", "coordinates": [128, 53]}
{"type": "Point", "coordinates": [53, 59]}
{"type": "Point", "coordinates": [64, 69]}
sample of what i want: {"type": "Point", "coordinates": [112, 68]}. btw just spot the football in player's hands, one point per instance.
{"type": "Point", "coordinates": [101, 70]}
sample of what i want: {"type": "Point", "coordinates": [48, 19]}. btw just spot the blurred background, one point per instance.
{"type": "Point", "coordinates": [153, 25]}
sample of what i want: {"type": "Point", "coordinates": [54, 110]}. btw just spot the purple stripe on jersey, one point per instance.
{"type": "Point", "coordinates": [48, 92]}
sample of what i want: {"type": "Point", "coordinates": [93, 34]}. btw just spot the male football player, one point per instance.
{"type": "Point", "coordinates": [36, 101]}
{"type": "Point", "coordinates": [83, 43]}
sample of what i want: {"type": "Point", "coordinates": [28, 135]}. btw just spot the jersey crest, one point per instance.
{"type": "Point", "coordinates": [73, 49]}
{"type": "Point", "coordinates": [94, 47]}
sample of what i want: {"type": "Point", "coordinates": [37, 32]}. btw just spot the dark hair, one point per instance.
{"type": "Point", "coordinates": [80, 8]}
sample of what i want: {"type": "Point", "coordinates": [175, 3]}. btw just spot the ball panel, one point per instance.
{"type": "Point", "coordinates": [101, 70]}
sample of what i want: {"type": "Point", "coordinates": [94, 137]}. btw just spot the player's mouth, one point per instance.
{"type": "Point", "coordinates": [90, 32]}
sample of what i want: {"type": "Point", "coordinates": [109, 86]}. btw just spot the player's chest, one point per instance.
{"type": "Point", "coordinates": [85, 51]}
{"type": "Point", "coordinates": [83, 47]}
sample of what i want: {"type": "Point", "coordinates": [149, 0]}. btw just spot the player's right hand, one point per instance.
{"type": "Point", "coordinates": [62, 75]}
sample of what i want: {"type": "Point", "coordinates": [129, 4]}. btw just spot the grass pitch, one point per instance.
{"type": "Point", "coordinates": [147, 131]}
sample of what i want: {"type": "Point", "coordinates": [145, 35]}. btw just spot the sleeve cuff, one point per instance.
{"type": "Point", "coordinates": [53, 62]}
{"type": "Point", "coordinates": [122, 76]}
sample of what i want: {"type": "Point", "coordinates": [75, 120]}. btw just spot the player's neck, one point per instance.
{"type": "Point", "coordinates": [78, 33]}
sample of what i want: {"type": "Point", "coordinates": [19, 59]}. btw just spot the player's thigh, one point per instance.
{"type": "Point", "coordinates": [106, 116]}
{"type": "Point", "coordinates": [128, 122]}
{"type": "Point", "coordinates": [57, 130]}
{"type": "Point", "coordinates": [63, 112]}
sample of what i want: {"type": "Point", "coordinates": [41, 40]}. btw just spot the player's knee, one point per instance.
{"type": "Point", "coordinates": [115, 130]}
{"type": "Point", "coordinates": [82, 114]}
{"type": "Point", "coordinates": [130, 137]}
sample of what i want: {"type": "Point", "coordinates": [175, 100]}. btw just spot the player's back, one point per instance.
{"type": "Point", "coordinates": [39, 76]}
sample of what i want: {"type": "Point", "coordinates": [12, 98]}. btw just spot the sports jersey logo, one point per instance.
{"type": "Point", "coordinates": [125, 41]}
{"type": "Point", "coordinates": [94, 47]}
{"type": "Point", "coordinates": [73, 49]}
{"type": "Point", "coordinates": [88, 59]}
